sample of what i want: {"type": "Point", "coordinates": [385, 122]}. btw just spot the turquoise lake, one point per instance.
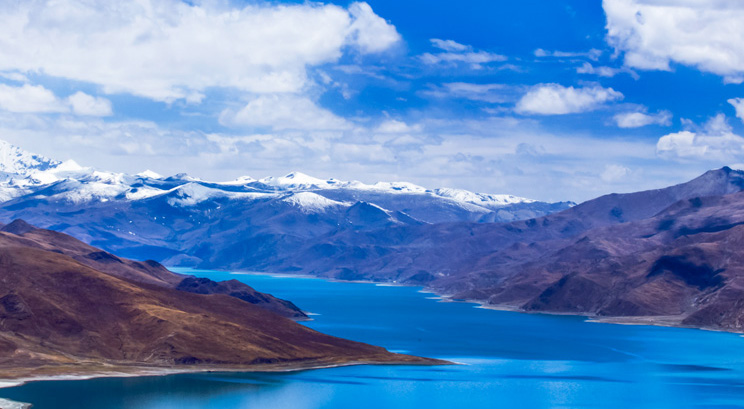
{"type": "Point", "coordinates": [510, 360]}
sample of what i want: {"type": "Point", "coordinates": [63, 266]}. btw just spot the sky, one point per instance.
{"type": "Point", "coordinates": [551, 100]}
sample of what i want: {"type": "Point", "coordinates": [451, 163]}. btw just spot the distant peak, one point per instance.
{"type": "Point", "coordinates": [19, 227]}
{"type": "Point", "coordinates": [16, 160]}
{"type": "Point", "coordinates": [69, 165]}
{"type": "Point", "coordinates": [311, 202]}
{"type": "Point", "coordinates": [149, 174]}
{"type": "Point", "coordinates": [299, 176]}
{"type": "Point", "coordinates": [296, 180]}
{"type": "Point", "coordinates": [181, 176]}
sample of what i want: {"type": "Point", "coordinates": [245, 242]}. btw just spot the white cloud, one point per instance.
{"type": "Point", "coordinates": [738, 104]}
{"type": "Point", "coordinates": [37, 99]}
{"type": "Point", "coordinates": [455, 53]}
{"type": "Point", "coordinates": [449, 45]}
{"type": "Point", "coordinates": [592, 54]}
{"type": "Point", "coordinates": [14, 76]}
{"type": "Point", "coordinates": [604, 71]}
{"type": "Point", "coordinates": [283, 112]}
{"type": "Point", "coordinates": [29, 98]}
{"type": "Point", "coordinates": [639, 119]}
{"type": "Point", "coordinates": [168, 49]}
{"type": "Point", "coordinates": [370, 32]}
{"type": "Point", "coordinates": [715, 140]}
{"type": "Point", "coordinates": [705, 34]}
{"type": "Point", "coordinates": [84, 104]}
{"type": "Point", "coordinates": [555, 99]}
{"type": "Point", "coordinates": [394, 126]}
{"type": "Point", "coordinates": [587, 68]}
{"type": "Point", "coordinates": [614, 173]}
{"type": "Point", "coordinates": [491, 93]}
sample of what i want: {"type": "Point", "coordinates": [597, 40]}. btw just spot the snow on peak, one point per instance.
{"type": "Point", "coordinates": [148, 174]}
{"type": "Point", "coordinates": [298, 180]}
{"type": "Point", "coordinates": [400, 187]}
{"type": "Point", "coordinates": [15, 160]}
{"type": "Point", "coordinates": [70, 166]}
{"type": "Point", "coordinates": [193, 193]}
{"type": "Point", "coordinates": [68, 169]}
{"type": "Point", "coordinates": [22, 173]}
{"type": "Point", "coordinates": [311, 202]}
{"type": "Point", "coordinates": [243, 180]}
{"type": "Point", "coordinates": [480, 199]}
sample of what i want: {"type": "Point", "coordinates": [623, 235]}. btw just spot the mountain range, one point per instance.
{"type": "Point", "coordinates": [665, 256]}
{"type": "Point", "coordinates": [182, 220]}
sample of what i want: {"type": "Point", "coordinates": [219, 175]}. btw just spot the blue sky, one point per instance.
{"type": "Point", "coordinates": [553, 100]}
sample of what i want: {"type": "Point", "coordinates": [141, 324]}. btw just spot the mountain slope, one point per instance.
{"type": "Point", "coordinates": [59, 315]}
{"type": "Point", "coordinates": [448, 255]}
{"type": "Point", "coordinates": [671, 253]}
{"type": "Point", "coordinates": [146, 272]}
{"type": "Point", "coordinates": [684, 263]}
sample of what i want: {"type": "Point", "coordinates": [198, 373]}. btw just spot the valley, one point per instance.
{"type": "Point", "coordinates": [670, 252]}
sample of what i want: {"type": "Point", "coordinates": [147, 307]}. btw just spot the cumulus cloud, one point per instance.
{"type": "Point", "coordinates": [283, 112]}
{"type": "Point", "coordinates": [699, 33]}
{"type": "Point", "coordinates": [639, 119]}
{"type": "Point", "coordinates": [738, 104]}
{"type": "Point", "coordinates": [84, 104]}
{"type": "Point", "coordinates": [29, 98]}
{"type": "Point", "coordinates": [37, 99]}
{"type": "Point", "coordinates": [370, 32]}
{"type": "Point", "coordinates": [555, 99]}
{"type": "Point", "coordinates": [168, 49]}
{"type": "Point", "coordinates": [715, 140]}
{"type": "Point", "coordinates": [454, 53]}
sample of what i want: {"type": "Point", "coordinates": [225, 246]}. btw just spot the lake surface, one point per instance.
{"type": "Point", "coordinates": [511, 360]}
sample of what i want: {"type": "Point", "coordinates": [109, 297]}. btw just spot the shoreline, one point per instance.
{"type": "Point", "coordinates": [666, 321]}
{"type": "Point", "coordinates": [133, 371]}
{"type": "Point", "coordinates": [11, 404]}
{"type": "Point", "coordinates": [655, 321]}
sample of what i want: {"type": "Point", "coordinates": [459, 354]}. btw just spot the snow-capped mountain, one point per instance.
{"type": "Point", "coordinates": [149, 215]}
{"type": "Point", "coordinates": [25, 173]}
{"type": "Point", "coordinates": [14, 160]}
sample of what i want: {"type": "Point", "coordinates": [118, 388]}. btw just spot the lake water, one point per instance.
{"type": "Point", "coordinates": [511, 360]}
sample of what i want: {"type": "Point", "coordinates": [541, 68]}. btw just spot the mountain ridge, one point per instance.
{"type": "Point", "coordinates": [538, 262]}
{"type": "Point", "coordinates": [149, 216]}
{"type": "Point", "coordinates": [36, 172]}
{"type": "Point", "coordinates": [61, 316]}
